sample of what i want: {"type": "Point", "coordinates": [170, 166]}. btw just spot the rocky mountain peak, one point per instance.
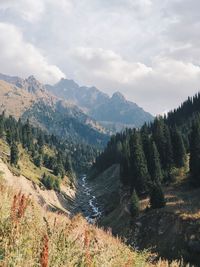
{"type": "Point", "coordinates": [65, 83]}
{"type": "Point", "coordinates": [33, 85]}
{"type": "Point", "coordinates": [117, 96]}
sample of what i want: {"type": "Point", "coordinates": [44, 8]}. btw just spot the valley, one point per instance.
{"type": "Point", "coordinates": [137, 184]}
{"type": "Point", "coordinates": [99, 133]}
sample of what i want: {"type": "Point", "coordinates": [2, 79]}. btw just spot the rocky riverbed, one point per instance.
{"type": "Point", "coordinates": [87, 201]}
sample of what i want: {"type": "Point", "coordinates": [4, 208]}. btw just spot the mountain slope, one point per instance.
{"type": "Point", "coordinates": [67, 123]}
{"type": "Point", "coordinates": [28, 99]}
{"type": "Point", "coordinates": [85, 97]}
{"type": "Point", "coordinates": [33, 236]}
{"type": "Point", "coordinates": [118, 110]}
{"type": "Point", "coordinates": [114, 112]}
{"type": "Point", "coordinates": [38, 225]}
{"type": "Point", "coordinates": [160, 156]}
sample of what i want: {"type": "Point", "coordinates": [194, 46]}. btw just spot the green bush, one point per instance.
{"type": "Point", "coordinates": [50, 182]}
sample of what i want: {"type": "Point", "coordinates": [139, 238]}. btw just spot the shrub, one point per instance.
{"type": "Point", "coordinates": [50, 182]}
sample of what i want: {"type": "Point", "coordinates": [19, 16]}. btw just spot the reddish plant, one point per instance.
{"type": "Point", "coordinates": [19, 206]}
{"type": "Point", "coordinates": [44, 257]}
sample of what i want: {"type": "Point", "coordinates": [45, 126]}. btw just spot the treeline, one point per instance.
{"type": "Point", "coordinates": [145, 156]}
{"type": "Point", "coordinates": [65, 159]}
{"type": "Point", "coordinates": [185, 111]}
{"type": "Point", "coordinates": [152, 155]}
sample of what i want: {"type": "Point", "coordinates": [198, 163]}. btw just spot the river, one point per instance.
{"type": "Point", "coordinates": [91, 208]}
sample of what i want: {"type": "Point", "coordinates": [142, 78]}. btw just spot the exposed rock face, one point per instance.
{"type": "Point", "coordinates": [118, 110]}
{"type": "Point", "coordinates": [30, 84]}
{"type": "Point", "coordinates": [33, 85]}
{"type": "Point", "coordinates": [84, 97]}
{"type": "Point", "coordinates": [114, 113]}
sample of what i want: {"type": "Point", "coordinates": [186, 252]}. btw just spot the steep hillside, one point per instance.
{"type": "Point", "coordinates": [114, 113]}
{"type": "Point", "coordinates": [63, 201]}
{"type": "Point", "coordinates": [28, 98]}
{"type": "Point", "coordinates": [66, 123]}
{"type": "Point", "coordinates": [158, 184]}
{"type": "Point", "coordinates": [172, 232]}
{"type": "Point", "coordinates": [31, 234]}
{"type": "Point", "coordinates": [15, 100]}
{"type": "Point", "coordinates": [34, 237]}
{"type": "Point", "coordinates": [34, 153]}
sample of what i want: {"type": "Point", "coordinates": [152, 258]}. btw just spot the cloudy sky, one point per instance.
{"type": "Point", "coordinates": [147, 49]}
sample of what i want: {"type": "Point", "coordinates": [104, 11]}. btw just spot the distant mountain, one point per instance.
{"type": "Point", "coordinates": [117, 109]}
{"type": "Point", "coordinates": [29, 99]}
{"type": "Point", "coordinates": [82, 96]}
{"type": "Point", "coordinates": [113, 112]}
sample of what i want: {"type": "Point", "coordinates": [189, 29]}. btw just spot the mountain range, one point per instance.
{"type": "Point", "coordinates": [82, 114]}
{"type": "Point", "coordinates": [29, 99]}
{"type": "Point", "coordinates": [113, 112]}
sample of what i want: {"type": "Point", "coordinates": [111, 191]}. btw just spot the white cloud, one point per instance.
{"type": "Point", "coordinates": [19, 57]}
{"type": "Point", "coordinates": [33, 10]}
{"type": "Point", "coordinates": [147, 49]}
{"type": "Point", "coordinates": [107, 65]}
{"type": "Point", "coordinates": [29, 10]}
{"type": "Point", "coordinates": [151, 86]}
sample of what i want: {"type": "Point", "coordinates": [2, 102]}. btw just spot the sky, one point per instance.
{"type": "Point", "coordinates": [149, 50]}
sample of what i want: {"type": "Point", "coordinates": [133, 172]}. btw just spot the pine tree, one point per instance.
{"type": "Point", "coordinates": [140, 175]}
{"type": "Point", "coordinates": [178, 148]}
{"type": "Point", "coordinates": [14, 154]}
{"type": "Point", "coordinates": [157, 199]}
{"type": "Point", "coordinates": [155, 169]}
{"type": "Point", "coordinates": [134, 208]}
{"type": "Point", "coordinates": [147, 146]}
{"type": "Point", "coordinates": [118, 152]}
{"type": "Point", "coordinates": [168, 149]}
{"type": "Point", "coordinates": [1, 127]}
{"type": "Point", "coordinates": [195, 154]}
{"type": "Point", "coordinates": [68, 165]}
{"type": "Point", "coordinates": [125, 164]}
{"type": "Point", "coordinates": [37, 161]}
{"type": "Point", "coordinates": [27, 136]}
{"type": "Point", "coordinates": [59, 170]}
{"type": "Point", "coordinates": [159, 138]}
{"type": "Point", "coordinates": [9, 137]}
{"type": "Point", "coordinates": [125, 170]}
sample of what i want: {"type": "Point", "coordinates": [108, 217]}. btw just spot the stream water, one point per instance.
{"type": "Point", "coordinates": [92, 211]}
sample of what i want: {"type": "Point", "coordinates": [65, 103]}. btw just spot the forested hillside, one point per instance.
{"type": "Point", "coordinates": [153, 154]}
{"type": "Point", "coordinates": [55, 157]}
{"type": "Point", "coordinates": [159, 183]}
{"type": "Point", "coordinates": [66, 123]}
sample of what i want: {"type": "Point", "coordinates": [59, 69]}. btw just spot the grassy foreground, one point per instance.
{"type": "Point", "coordinates": [29, 236]}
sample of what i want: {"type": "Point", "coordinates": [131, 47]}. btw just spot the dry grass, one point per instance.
{"type": "Point", "coordinates": [4, 148]}
{"type": "Point", "coordinates": [13, 100]}
{"type": "Point", "coordinates": [30, 237]}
